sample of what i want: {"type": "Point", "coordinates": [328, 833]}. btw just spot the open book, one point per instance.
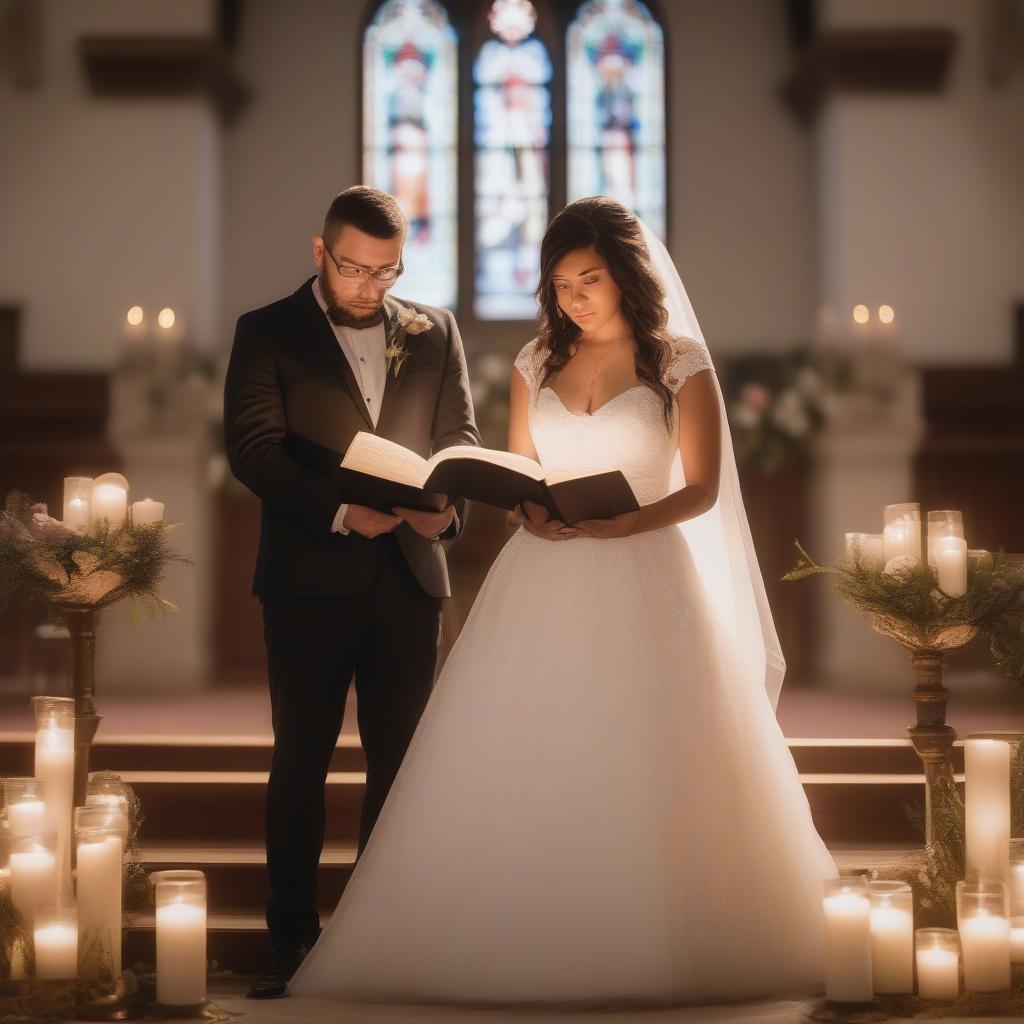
{"type": "Point", "coordinates": [382, 474]}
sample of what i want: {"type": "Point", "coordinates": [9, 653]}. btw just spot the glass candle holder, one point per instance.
{"type": "Point", "coordinates": [938, 963]}
{"type": "Point", "coordinates": [77, 497]}
{"type": "Point", "coordinates": [105, 789]}
{"type": "Point", "coordinates": [1016, 893]}
{"type": "Point", "coordinates": [55, 934]}
{"type": "Point", "coordinates": [979, 558]}
{"type": "Point", "coordinates": [55, 766]}
{"type": "Point", "coordinates": [1017, 939]}
{"type": "Point", "coordinates": [847, 910]}
{"type": "Point", "coordinates": [180, 937]}
{"type": "Point", "coordinates": [943, 523]}
{"type": "Point", "coordinates": [987, 759]}
{"type": "Point", "coordinates": [984, 935]}
{"type": "Point", "coordinates": [901, 536]}
{"type": "Point", "coordinates": [101, 834]}
{"type": "Point", "coordinates": [865, 546]}
{"type": "Point", "coordinates": [892, 937]}
{"type": "Point", "coordinates": [108, 501]}
{"type": "Point", "coordinates": [25, 805]}
{"type": "Point", "coordinates": [34, 872]}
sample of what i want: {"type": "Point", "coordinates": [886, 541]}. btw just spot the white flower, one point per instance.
{"type": "Point", "coordinates": [790, 415]}
{"type": "Point", "coordinates": [413, 322]}
{"type": "Point", "coordinates": [900, 565]}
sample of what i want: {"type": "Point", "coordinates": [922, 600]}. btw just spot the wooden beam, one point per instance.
{"type": "Point", "coordinates": [868, 61]}
{"type": "Point", "coordinates": [163, 66]}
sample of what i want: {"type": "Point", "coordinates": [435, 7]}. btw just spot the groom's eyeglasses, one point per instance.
{"type": "Point", "coordinates": [352, 271]}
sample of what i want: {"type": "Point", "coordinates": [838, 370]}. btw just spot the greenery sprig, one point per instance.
{"type": "Point", "coordinates": [908, 606]}
{"type": "Point", "coordinates": [42, 558]}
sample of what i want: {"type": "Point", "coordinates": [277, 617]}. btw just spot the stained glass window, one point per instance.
{"type": "Point", "coordinates": [409, 136]}
{"type": "Point", "coordinates": [615, 83]}
{"type": "Point", "coordinates": [512, 136]}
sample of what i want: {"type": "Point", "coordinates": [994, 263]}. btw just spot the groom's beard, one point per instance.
{"type": "Point", "coordinates": [349, 316]}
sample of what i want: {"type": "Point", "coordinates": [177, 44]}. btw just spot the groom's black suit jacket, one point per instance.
{"type": "Point", "coordinates": [292, 404]}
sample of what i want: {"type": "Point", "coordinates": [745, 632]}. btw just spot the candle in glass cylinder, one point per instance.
{"type": "Point", "coordinates": [100, 834]}
{"type": "Point", "coordinates": [867, 547]}
{"type": "Point", "coordinates": [180, 937]}
{"type": "Point", "coordinates": [984, 935]}
{"type": "Point", "coordinates": [146, 512]}
{"type": "Point", "coordinates": [109, 501]}
{"type": "Point", "coordinates": [77, 492]}
{"type": "Point", "coordinates": [1017, 940]}
{"type": "Point", "coordinates": [901, 535]}
{"type": "Point", "coordinates": [987, 803]}
{"type": "Point", "coordinates": [892, 937]}
{"type": "Point", "coordinates": [25, 804]}
{"type": "Point", "coordinates": [847, 941]}
{"type": "Point", "coordinates": [938, 964]}
{"type": "Point", "coordinates": [34, 875]}
{"type": "Point", "coordinates": [943, 524]}
{"type": "Point", "coordinates": [55, 766]}
{"type": "Point", "coordinates": [950, 554]}
{"type": "Point", "coordinates": [56, 943]}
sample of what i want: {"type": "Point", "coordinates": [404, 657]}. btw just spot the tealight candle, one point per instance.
{"type": "Point", "coordinates": [146, 512]}
{"type": "Point", "coordinates": [938, 964]}
{"type": "Point", "coordinates": [77, 492]}
{"type": "Point", "coordinates": [109, 501]}
{"type": "Point", "coordinates": [987, 804]}
{"type": "Point", "coordinates": [892, 937]}
{"type": "Point", "coordinates": [55, 766]}
{"type": "Point", "coordinates": [180, 937]}
{"type": "Point", "coordinates": [56, 943]}
{"type": "Point", "coordinates": [847, 941]}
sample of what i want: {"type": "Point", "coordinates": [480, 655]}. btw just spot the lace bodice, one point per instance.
{"type": "Point", "coordinates": [628, 432]}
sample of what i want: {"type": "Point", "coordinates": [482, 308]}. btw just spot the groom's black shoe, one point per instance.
{"type": "Point", "coordinates": [284, 962]}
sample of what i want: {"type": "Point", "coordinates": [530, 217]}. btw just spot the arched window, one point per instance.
{"type": "Point", "coordinates": [410, 75]}
{"type": "Point", "coordinates": [615, 93]}
{"type": "Point", "coordinates": [511, 166]}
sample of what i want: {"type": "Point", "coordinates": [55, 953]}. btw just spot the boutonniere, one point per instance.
{"type": "Point", "coordinates": [405, 322]}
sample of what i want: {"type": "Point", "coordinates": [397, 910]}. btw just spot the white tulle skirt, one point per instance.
{"type": "Point", "coordinates": [598, 807]}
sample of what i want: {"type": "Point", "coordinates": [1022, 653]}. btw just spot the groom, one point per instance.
{"type": "Point", "coordinates": [344, 589]}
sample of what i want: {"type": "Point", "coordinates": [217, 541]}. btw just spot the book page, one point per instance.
{"type": "Point", "coordinates": [507, 460]}
{"type": "Point", "coordinates": [376, 456]}
{"type": "Point", "coordinates": [565, 475]}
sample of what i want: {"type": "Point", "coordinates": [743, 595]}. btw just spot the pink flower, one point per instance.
{"type": "Point", "coordinates": [757, 396]}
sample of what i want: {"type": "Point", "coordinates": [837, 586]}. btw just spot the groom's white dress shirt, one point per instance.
{"type": "Point", "coordinates": [364, 350]}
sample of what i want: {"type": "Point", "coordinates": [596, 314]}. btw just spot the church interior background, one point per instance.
{"type": "Point", "coordinates": [841, 184]}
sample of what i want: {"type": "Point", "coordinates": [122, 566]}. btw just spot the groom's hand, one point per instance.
{"type": "Point", "coordinates": [427, 524]}
{"type": "Point", "coordinates": [368, 522]}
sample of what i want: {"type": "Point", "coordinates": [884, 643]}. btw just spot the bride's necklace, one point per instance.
{"type": "Point", "coordinates": [599, 367]}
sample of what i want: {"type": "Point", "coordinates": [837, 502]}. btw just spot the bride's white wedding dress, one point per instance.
{"type": "Point", "coordinates": [596, 807]}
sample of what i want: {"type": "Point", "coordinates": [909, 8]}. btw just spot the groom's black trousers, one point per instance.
{"type": "Point", "coordinates": [387, 637]}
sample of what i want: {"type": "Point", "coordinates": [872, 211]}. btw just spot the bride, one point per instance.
{"type": "Point", "coordinates": [599, 805]}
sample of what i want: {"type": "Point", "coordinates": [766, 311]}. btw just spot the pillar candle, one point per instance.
{"type": "Point", "coordinates": [146, 512]}
{"type": "Point", "coordinates": [938, 974]}
{"type": "Point", "coordinates": [55, 767]}
{"type": "Point", "coordinates": [892, 942]}
{"type": "Point", "coordinates": [986, 944]}
{"type": "Point", "coordinates": [180, 954]}
{"type": "Point", "coordinates": [99, 894]}
{"type": "Point", "coordinates": [26, 816]}
{"type": "Point", "coordinates": [57, 950]}
{"type": "Point", "coordinates": [987, 799]}
{"type": "Point", "coordinates": [950, 554]}
{"type": "Point", "coordinates": [34, 881]}
{"type": "Point", "coordinates": [1017, 940]}
{"type": "Point", "coordinates": [109, 504]}
{"type": "Point", "coordinates": [847, 945]}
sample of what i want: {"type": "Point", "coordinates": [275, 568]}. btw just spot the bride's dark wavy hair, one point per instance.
{"type": "Point", "coordinates": [614, 231]}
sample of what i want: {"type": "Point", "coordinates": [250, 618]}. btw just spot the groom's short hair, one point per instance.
{"type": "Point", "coordinates": [368, 210]}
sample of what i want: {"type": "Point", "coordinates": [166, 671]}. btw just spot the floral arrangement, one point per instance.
{"type": "Point", "coordinates": [43, 558]}
{"type": "Point", "coordinates": [404, 322]}
{"type": "Point", "coordinates": [777, 406]}
{"type": "Point", "coordinates": [905, 603]}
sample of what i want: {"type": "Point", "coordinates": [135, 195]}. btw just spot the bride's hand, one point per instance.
{"type": "Point", "coordinates": [614, 526]}
{"type": "Point", "coordinates": [534, 519]}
